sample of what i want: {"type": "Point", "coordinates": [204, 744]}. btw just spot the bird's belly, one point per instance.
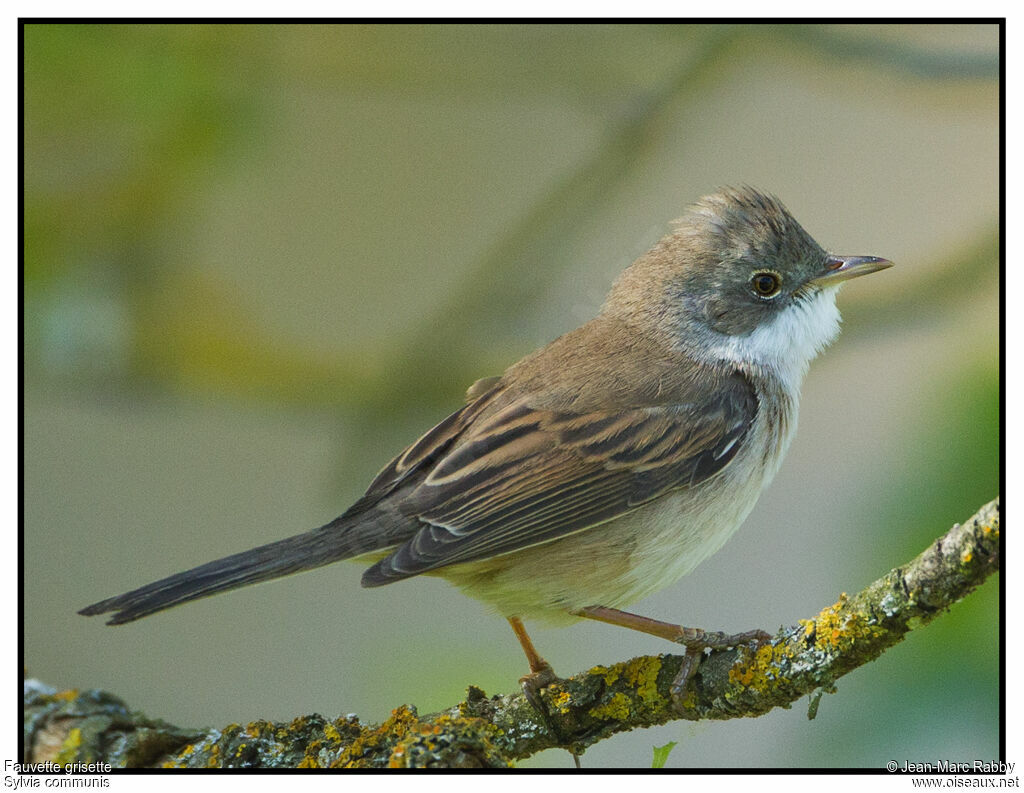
{"type": "Point", "coordinates": [625, 559]}
{"type": "Point", "coordinates": [614, 564]}
{"type": "Point", "coordinates": [681, 531]}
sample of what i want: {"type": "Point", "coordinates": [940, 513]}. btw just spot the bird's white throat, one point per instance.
{"type": "Point", "coordinates": [789, 343]}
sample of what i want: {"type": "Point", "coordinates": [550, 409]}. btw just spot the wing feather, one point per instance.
{"type": "Point", "coordinates": [518, 476]}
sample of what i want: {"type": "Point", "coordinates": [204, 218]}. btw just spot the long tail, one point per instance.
{"type": "Point", "coordinates": [301, 552]}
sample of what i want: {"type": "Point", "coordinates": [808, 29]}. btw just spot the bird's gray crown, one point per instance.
{"type": "Point", "coordinates": [742, 223]}
{"type": "Point", "coordinates": [701, 275]}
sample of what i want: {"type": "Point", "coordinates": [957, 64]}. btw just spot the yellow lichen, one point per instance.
{"type": "Point", "coordinates": [397, 759]}
{"type": "Point", "coordinates": [642, 674]}
{"type": "Point", "coordinates": [838, 629]}
{"type": "Point", "coordinates": [828, 625]}
{"type": "Point", "coordinates": [689, 699]}
{"type": "Point", "coordinates": [763, 669]}
{"type": "Point", "coordinates": [331, 732]}
{"type": "Point", "coordinates": [561, 701]}
{"type": "Point", "coordinates": [610, 674]}
{"type": "Point", "coordinates": [371, 740]}
{"type": "Point", "coordinates": [447, 739]}
{"type": "Point", "coordinates": [180, 756]}
{"type": "Point", "coordinates": [616, 709]}
{"type": "Point", "coordinates": [69, 748]}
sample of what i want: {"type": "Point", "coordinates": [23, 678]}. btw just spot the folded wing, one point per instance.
{"type": "Point", "coordinates": [523, 476]}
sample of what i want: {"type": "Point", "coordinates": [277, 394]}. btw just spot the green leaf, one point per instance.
{"type": "Point", "coordinates": [661, 754]}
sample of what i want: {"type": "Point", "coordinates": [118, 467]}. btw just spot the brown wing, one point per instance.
{"type": "Point", "coordinates": [525, 476]}
{"type": "Point", "coordinates": [421, 456]}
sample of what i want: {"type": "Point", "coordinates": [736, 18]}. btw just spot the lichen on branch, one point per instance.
{"type": "Point", "coordinates": [805, 659]}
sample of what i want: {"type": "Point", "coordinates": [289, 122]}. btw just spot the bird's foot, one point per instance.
{"type": "Point", "coordinates": [532, 684]}
{"type": "Point", "coordinates": [698, 643]}
{"type": "Point", "coordinates": [535, 682]}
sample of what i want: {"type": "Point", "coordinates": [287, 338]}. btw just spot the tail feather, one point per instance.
{"type": "Point", "coordinates": [284, 557]}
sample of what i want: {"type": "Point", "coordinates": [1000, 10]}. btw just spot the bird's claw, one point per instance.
{"type": "Point", "coordinates": [697, 644]}
{"type": "Point", "coordinates": [535, 682]}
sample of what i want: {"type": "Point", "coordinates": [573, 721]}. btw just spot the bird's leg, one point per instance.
{"type": "Point", "coordinates": [541, 674]}
{"type": "Point", "coordinates": [695, 640]}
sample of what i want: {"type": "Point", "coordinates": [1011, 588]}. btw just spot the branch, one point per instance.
{"type": "Point", "coordinates": [809, 657]}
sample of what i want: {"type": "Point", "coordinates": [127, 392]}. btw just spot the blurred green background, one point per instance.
{"type": "Point", "coordinates": [261, 259]}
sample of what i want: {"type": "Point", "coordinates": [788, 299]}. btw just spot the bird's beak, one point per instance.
{"type": "Point", "coordinates": [843, 268]}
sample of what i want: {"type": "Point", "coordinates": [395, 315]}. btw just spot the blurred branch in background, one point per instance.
{"type": "Point", "coordinates": [803, 660]}
{"type": "Point", "coordinates": [180, 331]}
{"type": "Point", "coordinates": [832, 42]}
{"type": "Point", "coordinates": [490, 302]}
{"type": "Point", "coordinates": [122, 124]}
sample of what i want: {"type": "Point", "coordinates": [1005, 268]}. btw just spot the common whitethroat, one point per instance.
{"type": "Point", "coordinates": [607, 464]}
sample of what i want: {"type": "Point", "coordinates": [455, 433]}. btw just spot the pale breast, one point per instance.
{"type": "Point", "coordinates": [626, 559]}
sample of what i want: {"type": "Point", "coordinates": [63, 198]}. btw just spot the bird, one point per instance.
{"type": "Point", "coordinates": [605, 465]}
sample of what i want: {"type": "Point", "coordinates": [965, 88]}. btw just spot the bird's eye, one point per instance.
{"type": "Point", "coordinates": [766, 284]}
